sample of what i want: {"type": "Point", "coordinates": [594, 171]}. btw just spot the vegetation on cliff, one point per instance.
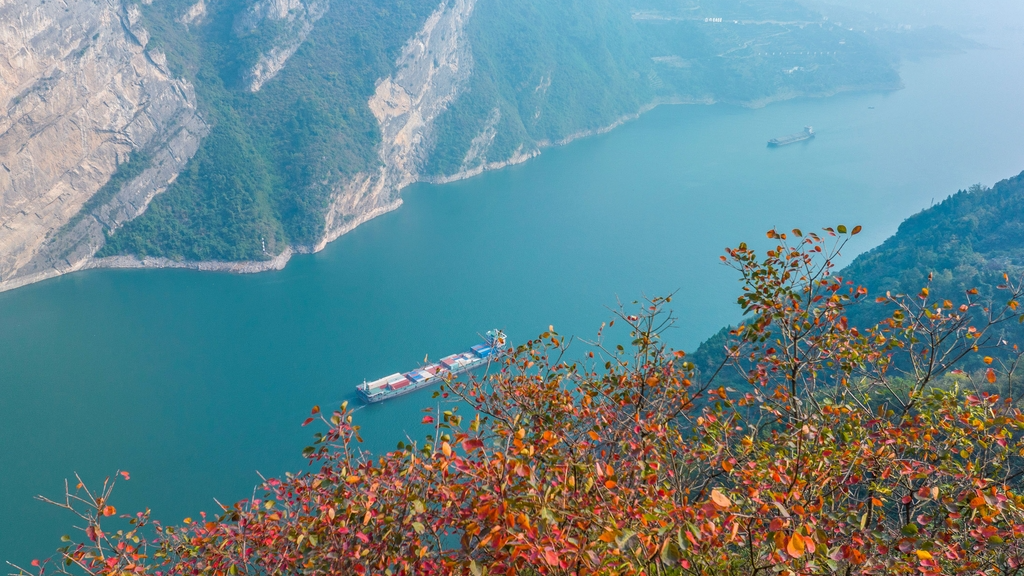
{"type": "Point", "coordinates": [973, 240]}
{"type": "Point", "coordinates": [543, 71]}
{"type": "Point", "coordinates": [266, 172]}
{"type": "Point", "coordinates": [842, 457]}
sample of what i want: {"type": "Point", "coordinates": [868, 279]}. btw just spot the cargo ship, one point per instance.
{"type": "Point", "coordinates": [807, 134]}
{"type": "Point", "coordinates": [398, 384]}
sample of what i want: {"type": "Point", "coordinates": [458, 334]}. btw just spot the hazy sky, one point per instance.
{"type": "Point", "coordinates": [1001, 21]}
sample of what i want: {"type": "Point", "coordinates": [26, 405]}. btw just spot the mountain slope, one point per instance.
{"type": "Point", "coordinates": [969, 240]}
{"type": "Point", "coordinates": [277, 125]}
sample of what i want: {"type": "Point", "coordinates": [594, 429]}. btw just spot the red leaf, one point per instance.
{"type": "Point", "coordinates": [471, 444]}
{"type": "Point", "coordinates": [125, 475]}
{"type": "Point", "coordinates": [428, 419]}
{"type": "Point", "coordinates": [551, 557]}
{"type": "Point", "coordinates": [307, 421]}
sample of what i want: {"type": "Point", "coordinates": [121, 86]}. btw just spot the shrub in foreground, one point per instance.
{"type": "Point", "coordinates": [847, 451]}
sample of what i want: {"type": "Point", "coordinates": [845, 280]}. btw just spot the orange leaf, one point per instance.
{"type": "Point", "coordinates": [109, 511]}
{"type": "Point", "coordinates": [990, 375]}
{"type": "Point", "coordinates": [720, 500]}
{"type": "Point", "coordinates": [795, 546]}
{"type": "Point", "coordinates": [988, 360]}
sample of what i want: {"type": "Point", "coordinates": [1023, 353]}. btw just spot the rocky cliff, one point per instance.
{"type": "Point", "coordinates": [431, 72]}
{"type": "Point", "coordinates": [291, 20]}
{"type": "Point", "coordinates": [82, 95]}
{"type": "Point", "coordinates": [319, 113]}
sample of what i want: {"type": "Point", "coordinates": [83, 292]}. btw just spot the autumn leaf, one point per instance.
{"type": "Point", "coordinates": [990, 375]}
{"type": "Point", "coordinates": [720, 500]}
{"type": "Point", "coordinates": [551, 557]}
{"type": "Point", "coordinates": [795, 546]}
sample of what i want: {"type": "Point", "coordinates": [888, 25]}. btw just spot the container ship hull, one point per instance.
{"type": "Point", "coordinates": [807, 134]}
{"type": "Point", "coordinates": [400, 384]}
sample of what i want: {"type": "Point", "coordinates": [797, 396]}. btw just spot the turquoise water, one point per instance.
{"type": "Point", "coordinates": [194, 381]}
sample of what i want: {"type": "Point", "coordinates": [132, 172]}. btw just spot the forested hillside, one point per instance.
{"type": "Point", "coordinates": [969, 240]}
{"type": "Point", "coordinates": [321, 112]}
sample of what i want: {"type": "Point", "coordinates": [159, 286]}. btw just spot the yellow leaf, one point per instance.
{"type": "Point", "coordinates": [923, 555]}
{"type": "Point", "coordinates": [447, 449]}
{"type": "Point", "coordinates": [988, 360]}
{"type": "Point", "coordinates": [795, 546]}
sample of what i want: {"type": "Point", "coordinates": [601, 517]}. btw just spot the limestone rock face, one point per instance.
{"type": "Point", "coordinates": [81, 95]}
{"type": "Point", "coordinates": [298, 17]}
{"type": "Point", "coordinates": [431, 73]}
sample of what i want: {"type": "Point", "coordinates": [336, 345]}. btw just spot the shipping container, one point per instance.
{"type": "Point", "coordinates": [383, 381]}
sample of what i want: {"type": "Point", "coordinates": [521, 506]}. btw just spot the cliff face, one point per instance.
{"type": "Point", "coordinates": [82, 95]}
{"type": "Point", "coordinates": [293, 20]}
{"type": "Point", "coordinates": [431, 72]}
{"type": "Point", "coordinates": [321, 112]}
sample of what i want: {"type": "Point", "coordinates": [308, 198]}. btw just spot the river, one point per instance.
{"type": "Point", "coordinates": [195, 381]}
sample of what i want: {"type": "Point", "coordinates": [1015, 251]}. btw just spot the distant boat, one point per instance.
{"type": "Point", "coordinates": [807, 134]}
{"type": "Point", "coordinates": [398, 384]}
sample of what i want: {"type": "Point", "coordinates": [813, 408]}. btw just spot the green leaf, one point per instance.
{"type": "Point", "coordinates": [841, 229]}
{"type": "Point", "coordinates": [670, 553]}
{"type": "Point", "coordinates": [623, 538]}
